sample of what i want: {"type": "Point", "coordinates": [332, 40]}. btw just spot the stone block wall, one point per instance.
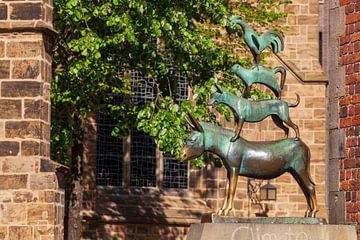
{"type": "Point", "coordinates": [31, 202]}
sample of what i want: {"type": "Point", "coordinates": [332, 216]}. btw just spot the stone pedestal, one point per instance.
{"type": "Point", "coordinates": [257, 231]}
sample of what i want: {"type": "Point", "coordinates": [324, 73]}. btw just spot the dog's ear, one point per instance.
{"type": "Point", "coordinates": [218, 89]}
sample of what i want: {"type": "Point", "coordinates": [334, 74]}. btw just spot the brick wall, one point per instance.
{"type": "Point", "coordinates": [31, 203]}
{"type": "Point", "coordinates": [112, 212]}
{"type": "Point", "coordinates": [349, 111]}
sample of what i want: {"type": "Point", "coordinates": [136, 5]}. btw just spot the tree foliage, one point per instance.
{"type": "Point", "coordinates": [100, 39]}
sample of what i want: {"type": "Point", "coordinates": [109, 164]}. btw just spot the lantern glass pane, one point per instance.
{"type": "Point", "coordinates": [271, 194]}
{"type": "Point", "coordinates": [263, 194]}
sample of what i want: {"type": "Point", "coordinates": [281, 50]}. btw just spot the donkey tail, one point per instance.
{"type": "Point", "coordinates": [297, 101]}
{"type": "Point", "coordinates": [308, 167]}
{"type": "Point", "coordinates": [283, 75]}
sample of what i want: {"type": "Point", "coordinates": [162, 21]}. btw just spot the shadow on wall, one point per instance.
{"type": "Point", "coordinates": [143, 213]}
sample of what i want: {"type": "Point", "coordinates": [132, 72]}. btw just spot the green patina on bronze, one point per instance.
{"type": "Point", "coordinates": [261, 74]}
{"type": "Point", "coordinates": [257, 43]}
{"type": "Point", "coordinates": [246, 110]}
{"type": "Point", "coordinates": [263, 160]}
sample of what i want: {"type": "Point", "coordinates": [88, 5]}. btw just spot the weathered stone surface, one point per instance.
{"type": "Point", "coordinates": [20, 88]}
{"type": "Point", "coordinates": [36, 109]}
{"type": "Point", "coordinates": [18, 165]}
{"type": "Point", "coordinates": [8, 148]}
{"type": "Point", "coordinates": [3, 233]}
{"type": "Point", "coordinates": [246, 231]}
{"type": "Point", "coordinates": [4, 69]}
{"type": "Point", "coordinates": [47, 196]}
{"type": "Point", "coordinates": [10, 109]}
{"type": "Point", "coordinates": [3, 13]}
{"type": "Point", "coordinates": [5, 196]}
{"type": "Point", "coordinates": [23, 129]}
{"type": "Point", "coordinates": [38, 213]}
{"type": "Point", "coordinates": [26, 69]}
{"type": "Point", "coordinates": [336, 207]}
{"type": "Point", "coordinates": [333, 179]}
{"type": "Point", "coordinates": [42, 231]}
{"type": "Point", "coordinates": [13, 181]}
{"type": "Point", "coordinates": [25, 11]}
{"type": "Point", "coordinates": [23, 197]}
{"type": "Point", "coordinates": [20, 232]}
{"type": "Point", "coordinates": [2, 49]}
{"type": "Point", "coordinates": [23, 49]}
{"type": "Point", "coordinates": [43, 181]}
{"type": "Point", "coordinates": [30, 148]}
{"type": "Point", "coordinates": [12, 213]}
{"type": "Point", "coordinates": [213, 218]}
{"type": "Point", "coordinates": [337, 143]}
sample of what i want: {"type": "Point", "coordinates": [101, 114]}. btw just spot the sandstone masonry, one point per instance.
{"type": "Point", "coordinates": [31, 203]}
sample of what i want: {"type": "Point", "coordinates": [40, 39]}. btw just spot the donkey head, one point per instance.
{"type": "Point", "coordinates": [218, 97]}
{"type": "Point", "coordinates": [194, 145]}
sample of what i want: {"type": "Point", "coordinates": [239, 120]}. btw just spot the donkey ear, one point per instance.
{"type": "Point", "coordinates": [196, 125]}
{"type": "Point", "coordinates": [189, 122]}
{"type": "Point", "coordinates": [218, 88]}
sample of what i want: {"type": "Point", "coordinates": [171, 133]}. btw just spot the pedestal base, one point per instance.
{"type": "Point", "coordinates": [213, 218]}
{"type": "Point", "coordinates": [257, 231]}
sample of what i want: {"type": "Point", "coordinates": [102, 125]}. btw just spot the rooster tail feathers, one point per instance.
{"type": "Point", "coordinates": [275, 39]}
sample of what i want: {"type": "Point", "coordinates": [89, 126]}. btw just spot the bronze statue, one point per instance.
{"type": "Point", "coordinates": [254, 111]}
{"type": "Point", "coordinates": [260, 74]}
{"type": "Point", "coordinates": [256, 43]}
{"type": "Point", "coordinates": [262, 160]}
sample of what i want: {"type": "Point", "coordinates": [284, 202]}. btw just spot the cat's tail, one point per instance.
{"type": "Point", "coordinates": [282, 71]}
{"type": "Point", "coordinates": [297, 101]}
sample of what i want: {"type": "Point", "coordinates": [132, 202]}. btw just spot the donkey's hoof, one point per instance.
{"type": "Point", "coordinates": [220, 212]}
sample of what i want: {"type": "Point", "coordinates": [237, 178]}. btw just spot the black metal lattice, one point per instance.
{"type": "Point", "coordinates": [109, 153]}
{"type": "Point", "coordinates": [143, 149]}
{"type": "Point", "coordinates": [175, 172]}
{"type": "Point", "coordinates": [144, 88]}
{"type": "Point", "coordinates": [143, 160]}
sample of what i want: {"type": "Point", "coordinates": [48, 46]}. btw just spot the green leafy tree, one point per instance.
{"type": "Point", "coordinates": [99, 39]}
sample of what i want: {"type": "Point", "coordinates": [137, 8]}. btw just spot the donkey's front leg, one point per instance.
{"type": "Point", "coordinates": [239, 126]}
{"type": "Point", "coordinates": [226, 197]}
{"type": "Point", "coordinates": [234, 173]}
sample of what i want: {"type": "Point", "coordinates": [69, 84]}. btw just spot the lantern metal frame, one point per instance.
{"type": "Point", "coordinates": [254, 190]}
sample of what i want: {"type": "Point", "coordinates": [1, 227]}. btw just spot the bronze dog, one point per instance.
{"type": "Point", "coordinates": [262, 160]}
{"type": "Point", "coordinates": [246, 110]}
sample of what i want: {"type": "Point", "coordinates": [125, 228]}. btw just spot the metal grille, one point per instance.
{"type": "Point", "coordinates": [182, 85]}
{"type": "Point", "coordinates": [143, 160]}
{"type": "Point", "coordinates": [175, 172]}
{"type": "Point", "coordinates": [144, 89]}
{"type": "Point", "coordinates": [109, 153]}
{"type": "Point", "coordinates": [143, 149]}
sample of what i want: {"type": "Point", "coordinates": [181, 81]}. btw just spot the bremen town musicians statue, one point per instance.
{"type": "Point", "coordinates": [261, 160]}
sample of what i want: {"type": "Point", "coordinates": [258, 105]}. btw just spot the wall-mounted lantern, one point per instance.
{"type": "Point", "coordinates": [268, 192]}
{"type": "Point", "coordinates": [258, 193]}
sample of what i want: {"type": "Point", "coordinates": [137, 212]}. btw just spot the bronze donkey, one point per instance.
{"type": "Point", "coordinates": [246, 110]}
{"type": "Point", "coordinates": [262, 160]}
